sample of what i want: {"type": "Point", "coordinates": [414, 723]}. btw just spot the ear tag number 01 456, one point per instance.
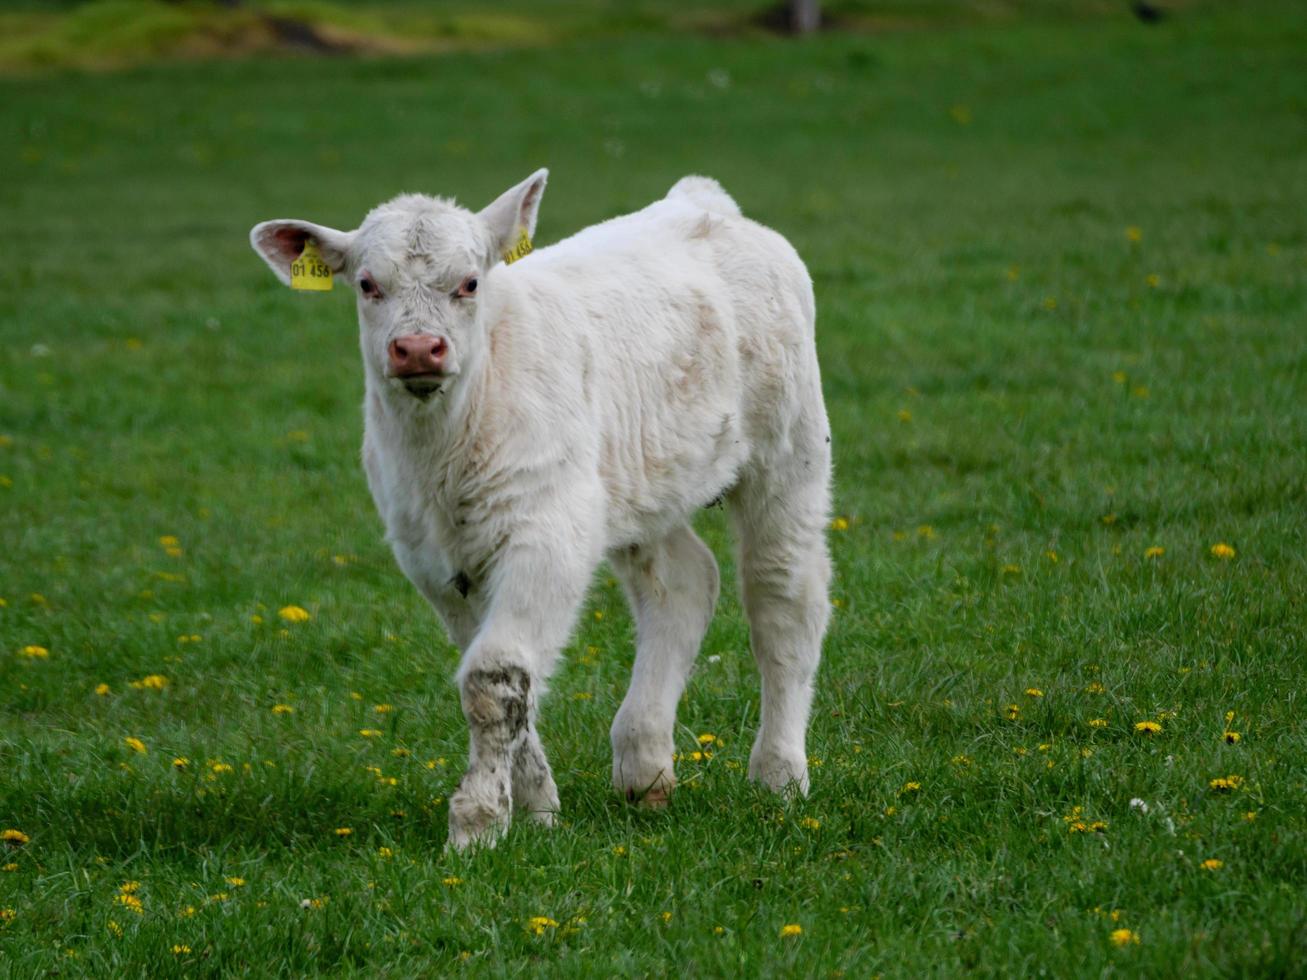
{"type": "Point", "coordinates": [310, 271]}
{"type": "Point", "coordinates": [521, 248]}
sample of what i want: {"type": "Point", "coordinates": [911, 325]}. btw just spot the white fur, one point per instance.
{"type": "Point", "coordinates": [601, 390]}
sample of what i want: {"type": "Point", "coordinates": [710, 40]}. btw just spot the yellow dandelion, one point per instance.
{"type": "Point", "coordinates": [1156, 551]}
{"type": "Point", "coordinates": [14, 838]}
{"type": "Point", "coordinates": [151, 682]}
{"type": "Point", "coordinates": [453, 882]}
{"type": "Point", "coordinates": [1213, 864]}
{"type": "Point", "coordinates": [1010, 569]}
{"type": "Point", "coordinates": [790, 930]}
{"type": "Point", "coordinates": [1222, 551]}
{"type": "Point", "coordinates": [1231, 738]}
{"type": "Point", "coordinates": [810, 823]}
{"type": "Point", "coordinates": [114, 929]}
{"type": "Point", "coordinates": [344, 831]}
{"type": "Point", "coordinates": [708, 738]}
{"type": "Point", "coordinates": [537, 924]}
{"type": "Point", "coordinates": [718, 931]}
{"type": "Point", "coordinates": [129, 887]}
{"type": "Point", "coordinates": [169, 541]}
{"type": "Point", "coordinates": [1147, 727]}
{"type": "Point", "coordinates": [961, 760]}
{"type": "Point", "coordinates": [102, 690]}
{"type": "Point", "coordinates": [180, 949]}
{"type": "Point", "coordinates": [1124, 937]}
{"type": "Point", "coordinates": [839, 524]}
{"type": "Point", "coordinates": [927, 532]}
{"type": "Point", "coordinates": [1225, 784]}
{"type": "Point", "coordinates": [910, 787]}
{"type": "Point", "coordinates": [582, 696]}
{"type": "Point", "coordinates": [599, 614]}
{"type": "Point", "coordinates": [370, 732]}
{"type": "Point", "coordinates": [34, 652]}
{"type": "Point", "coordinates": [1034, 692]}
{"type": "Point", "coordinates": [218, 768]}
{"type": "Point", "coordinates": [135, 744]}
{"type": "Point", "coordinates": [235, 882]}
{"type": "Point", "coordinates": [130, 902]}
{"type": "Point", "coordinates": [619, 851]}
{"type": "Point", "coordinates": [7, 916]}
{"type": "Point", "coordinates": [385, 852]}
{"type": "Point", "coordinates": [10, 867]}
{"type": "Point", "coordinates": [1097, 722]}
{"type": "Point", "coordinates": [181, 762]}
{"type": "Point", "coordinates": [293, 614]}
{"type": "Point", "coordinates": [1133, 233]}
{"type": "Point", "coordinates": [1094, 687]}
{"type": "Point", "coordinates": [1250, 816]}
{"type": "Point", "coordinates": [282, 709]}
{"type": "Point", "coordinates": [1013, 712]}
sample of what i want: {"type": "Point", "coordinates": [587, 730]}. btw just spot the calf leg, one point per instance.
{"type": "Point", "coordinates": [784, 574]}
{"type": "Point", "coordinates": [672, 588]}
{"type": "Point", "coordinates": [501, 679]}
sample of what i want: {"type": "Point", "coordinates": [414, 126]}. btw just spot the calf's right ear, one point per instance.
{"type": "Point", "coordinates": [281, 242]}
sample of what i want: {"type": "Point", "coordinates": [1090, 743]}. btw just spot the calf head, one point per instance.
{"type": "Point", "coordinates": [419, 265]}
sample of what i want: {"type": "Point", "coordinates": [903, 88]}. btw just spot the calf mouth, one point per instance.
{"type": "Point", "coordinates": [423, 386]}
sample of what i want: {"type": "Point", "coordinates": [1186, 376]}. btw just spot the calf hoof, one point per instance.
{"type": "Point", "coordinates": [545, 818]}
{"type": "Point", "coordinates": [786, 776]}
{"type": "Point", "coordinates": [655, 797]}
{"type": "Point", "coordinates": [475, 823]}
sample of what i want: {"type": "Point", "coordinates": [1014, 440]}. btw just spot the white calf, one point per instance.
{"type": "Point", "coordinates": [524, 421]}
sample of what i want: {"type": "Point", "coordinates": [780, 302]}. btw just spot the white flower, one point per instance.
{"type": "Point", "coordinates": [1138, 804]}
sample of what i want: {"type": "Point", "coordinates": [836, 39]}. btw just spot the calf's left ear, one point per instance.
{"type": "Point", "coordinates": [514, 209]}
{"type": "Point", "coordinates": [281, 242]}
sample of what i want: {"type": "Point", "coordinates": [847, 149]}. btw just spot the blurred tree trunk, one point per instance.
{"type": "Point", "coordinates": [805, 16]}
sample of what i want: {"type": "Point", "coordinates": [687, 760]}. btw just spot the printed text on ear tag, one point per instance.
{"type": "Point", "coordinates": [521, 249]}
{"type": "Point", "coordinates": [309, 271]}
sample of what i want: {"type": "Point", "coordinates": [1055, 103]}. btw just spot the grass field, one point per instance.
{"type": "Point", "coordinates": [1061, 271]}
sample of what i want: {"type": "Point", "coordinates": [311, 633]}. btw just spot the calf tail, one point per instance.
{"type": "Point", "coordinates": [706, 193]}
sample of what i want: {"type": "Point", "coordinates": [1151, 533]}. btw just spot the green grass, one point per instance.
{"type": "Point", "coordinates": [962, 198]}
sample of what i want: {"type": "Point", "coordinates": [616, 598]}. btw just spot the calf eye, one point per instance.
{"type": "Point", "coordinates": [467, 287]}
{"type": "Point", "coordinates": [369, 287]}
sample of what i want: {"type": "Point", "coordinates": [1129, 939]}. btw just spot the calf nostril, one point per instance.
{"type": "Point", "coordinates": [400, 350]}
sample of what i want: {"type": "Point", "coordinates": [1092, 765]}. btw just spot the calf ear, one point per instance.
{"type": "Point", "coordinates": [515, 208]}
{"type": "Point", "coordinates": [281, 242]}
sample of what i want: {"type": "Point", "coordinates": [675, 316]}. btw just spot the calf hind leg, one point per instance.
{"type": "Point", "coordinates": [784, 575]}
{"type": "Point", "coordinates": [672, 587]}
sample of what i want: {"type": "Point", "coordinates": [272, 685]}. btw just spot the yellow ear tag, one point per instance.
{"type": "Point", "coordinates": [309, 271]}
{"type": "Point", "coordinates": [522, 248]}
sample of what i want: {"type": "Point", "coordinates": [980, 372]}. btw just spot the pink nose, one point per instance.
{"type": "Point", "coordinates": [417, 353]}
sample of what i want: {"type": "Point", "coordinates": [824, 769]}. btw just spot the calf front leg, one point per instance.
{"type": "Point", "coordinates": [501, 679]}
{"type": "Point", "coordinates": [496, 703]}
